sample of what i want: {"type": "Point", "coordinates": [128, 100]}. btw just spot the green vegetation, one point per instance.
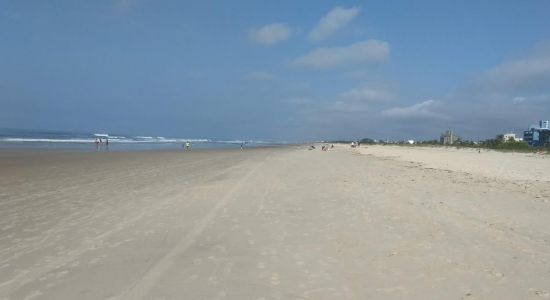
{"type": "Point", "coordinates": [338, 142]}
{"type": "Point", "coordinates": [497, 143]}
{"type": "Point", "coordinates": [367, 141]}
{"type": "Point", "coordinates": [500, 144]}
{"type": "Point", "coordinates": [429, 142]}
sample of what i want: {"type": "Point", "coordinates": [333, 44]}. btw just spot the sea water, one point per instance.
{"type": "Point", "coordinates": [83, 141]}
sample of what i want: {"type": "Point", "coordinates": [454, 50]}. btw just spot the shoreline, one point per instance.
{"type": "Point", "coordinates": [128, 148]}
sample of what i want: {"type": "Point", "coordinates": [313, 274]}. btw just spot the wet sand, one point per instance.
{"type": "Point", "coordinates": [274, 223]}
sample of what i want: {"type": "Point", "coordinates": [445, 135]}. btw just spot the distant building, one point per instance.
{"type": "Point", "coordinates": [537, 136]}
{"type": "Point", "coordinates": [448, 138]}
{"type": "Point", "coordinates": [509, 137]}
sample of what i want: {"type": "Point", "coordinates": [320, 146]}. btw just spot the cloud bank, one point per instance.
{"type": "Point", "coordinates": [336, 19]}
{"type": "Point", "coordinates": [367, 94]}
{"type": "Point", "coordinates": [270, 34]}
{"type": "Point", "coordinates": [529, 74]}
{"type": "Point", "coordinates": [422, 110]}
{"type": "Point", "coordinates": [370, 51]}
{"type": "Point", "coordinates": [361, 99]}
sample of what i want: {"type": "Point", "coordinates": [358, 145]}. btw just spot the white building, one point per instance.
{"type": "Point", "coordinates": [509, 137]}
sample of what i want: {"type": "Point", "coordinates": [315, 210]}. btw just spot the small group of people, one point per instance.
{"type": "Point", "coordinates": [326, 147]}
{"type": "Point", "coordinates": [323, 148]}
{"type": "Point", "coordinates": [99, 142]}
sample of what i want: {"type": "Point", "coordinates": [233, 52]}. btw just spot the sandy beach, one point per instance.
{"type": "Point", "coordinates": [275, 223]}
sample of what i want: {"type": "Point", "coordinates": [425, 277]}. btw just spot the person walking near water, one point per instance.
{"type": "Point", "coordinates": [187, 145]}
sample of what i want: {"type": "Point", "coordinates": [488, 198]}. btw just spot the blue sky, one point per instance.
{"type": "Point", "coordinates": [280, 70]}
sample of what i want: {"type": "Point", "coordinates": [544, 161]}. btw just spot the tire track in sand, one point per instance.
{"type": "Point", "coordinates": [141, 287]}
{"type": "Point", "coordinates": [35, 272]}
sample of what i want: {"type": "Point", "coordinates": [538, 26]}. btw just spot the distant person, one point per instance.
{"type": "Point", "coordinates": [187, 145]}
{"type": "Point", "coordinates": [242, 146]}
{"type": "Point", "coordinates": [107, 142]}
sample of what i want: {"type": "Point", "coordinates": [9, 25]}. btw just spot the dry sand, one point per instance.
{"type": "Point", "coordinates": [283, 223]}
{"type": "Point", "coordinates": [489, 163]}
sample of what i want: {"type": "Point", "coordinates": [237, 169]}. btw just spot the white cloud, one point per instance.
{"type": "Point", "coordinates": [361, 99]}
{"type": "Point", "coordinates": [527, 74]}
{"type": "Point", "coordinates": [422, 110]}
{"type": "Point", "coordinates": [270, 34]}
{"type": "Point", "coordinates": [261, 76]}
{"type": "Point", "coordinates": [367, 94]}
{"type": "Point", "coordinates": [508, 96]}
{"type": "Point", "coordinates": [518, 100]}
{"type": "Point", "coordinates": [369, 51]}
{"type": "Point", "coordinates": [336, 19]}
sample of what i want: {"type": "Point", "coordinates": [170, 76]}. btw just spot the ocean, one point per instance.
{"type": "Point", "coordinates": [82, 141]}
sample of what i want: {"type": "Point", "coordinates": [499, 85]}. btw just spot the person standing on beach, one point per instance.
{"type": "Point", "coordinates": [187, 145]}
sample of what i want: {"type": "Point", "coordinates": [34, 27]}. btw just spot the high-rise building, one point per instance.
{"type": "Point", "coordinates": [448, 138]}
{"type": "Point", "coordinates": [537, 136]}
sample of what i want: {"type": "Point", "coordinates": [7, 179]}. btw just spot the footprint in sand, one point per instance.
{"type": "Point", "coordinates": [213, 280]}
{"type": "Point", "coordinates": [540, 293]}
{"type": "Point", "coordinates": [275, 279]}
{"type": "Point", "coordinates": [494, 273]}
{"type": "Point", "coordinates": [33, 295]}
